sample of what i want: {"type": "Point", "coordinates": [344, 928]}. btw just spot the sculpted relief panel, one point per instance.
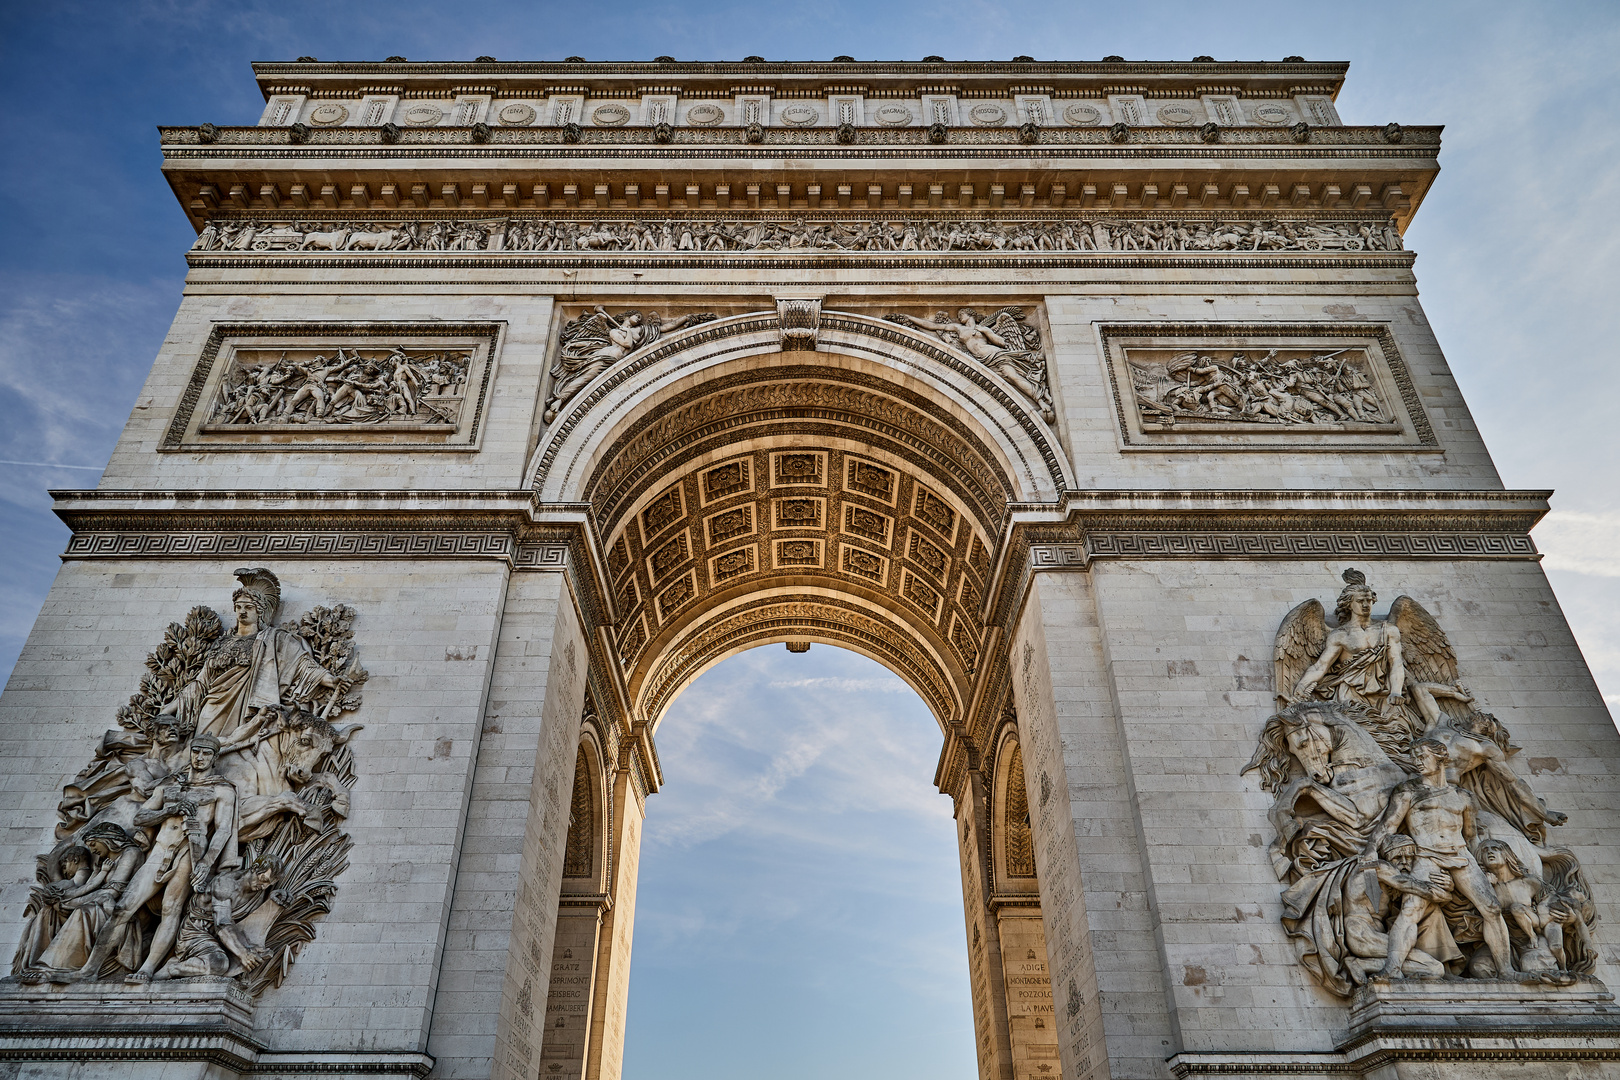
{"type": "Point", "coordinates": [1005, 343]}
{"type": "Point", "coordinates": [1408, 846]}
{"type": "Point", "coordinates": [595, 342]}
{"type": "Point", "coordinates": [1236, 386]}
{"type": "Point", "coordinates": [1262, 386]}
{"type": "Point", "coordinates": [325, 385]}
{"type": "Point", "coordinates": [269, 389]}
{"type": "Point", "coordinates": [205, 836]}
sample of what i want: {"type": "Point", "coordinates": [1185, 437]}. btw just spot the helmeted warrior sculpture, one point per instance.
{"type": "Point", "coordinates": [225, 777]}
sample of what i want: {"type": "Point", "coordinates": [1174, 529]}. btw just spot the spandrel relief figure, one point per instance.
{"type": "Point", "coordinates": [1294, 387]}
{"type": "Point", "coordinates": [1005, 343]}
{"type": "Point", "coordinates": [591, 344]}
{"type": "Point", "coordinates": [226, 776]}
{"type": "Point", "coordinates": [346, 387]}
{"type": "Point", "coordinates": [1407, 845]}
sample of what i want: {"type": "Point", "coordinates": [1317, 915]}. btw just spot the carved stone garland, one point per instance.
{"type": "Point", "coordinates": [1407, 845]}
{"type": "Point", "coordinates": [221, 793]}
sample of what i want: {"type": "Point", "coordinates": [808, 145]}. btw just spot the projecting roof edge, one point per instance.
{"type": "Point", "coordinates": [271, 73]}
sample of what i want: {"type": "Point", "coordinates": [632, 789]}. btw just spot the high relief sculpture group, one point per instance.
{"type": "Point", "coordinates": [1409, 847]}
{"type": "Point", "coordinates": [204, 839]}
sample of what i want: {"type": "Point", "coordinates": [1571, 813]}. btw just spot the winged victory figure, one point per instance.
{"type": "Point", "coordinates": [593, 343]}
{"type": "Point", "coordinates": [1004, 343]}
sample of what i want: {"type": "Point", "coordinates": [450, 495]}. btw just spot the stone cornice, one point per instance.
{"type": "Point", "coordinates": [1257, 525]}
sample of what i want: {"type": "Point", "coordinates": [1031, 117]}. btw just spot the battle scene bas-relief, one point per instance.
{"type": "Point", "coordinates": [204, 837]}
{"type": "Point", "coordinates": [1243, 386]}
{"type": "Point", "coordinates": [1072, 233]}
{"type": "Point", "coordinates": [305, 387]}
{"type": "Point", "coordinates": [1408, 846]}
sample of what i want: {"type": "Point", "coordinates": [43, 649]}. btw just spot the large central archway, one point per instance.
{"type": "Point", "coordinates": [748, 490]}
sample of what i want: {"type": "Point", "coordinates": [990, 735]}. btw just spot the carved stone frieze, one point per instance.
{"type": "Point", "coordinates": [1084, 133]}
{"type": "Point", "coordinates": [306, 389]}
{"type": "Point", "coordinates": [1235, 386]}
{"type": "Point", "coordinates": [1408, 846]}
{"type": "Point", "coordinates": [222, 793]}
{"type": "Point", "coordinates": [1074, 232]}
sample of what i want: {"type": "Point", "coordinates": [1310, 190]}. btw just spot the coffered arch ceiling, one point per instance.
{"type": "Point", "coordinates": [818, 498]}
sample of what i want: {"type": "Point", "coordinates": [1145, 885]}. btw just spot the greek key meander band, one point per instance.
{"type": "Point", "coordinates": [546, 556]}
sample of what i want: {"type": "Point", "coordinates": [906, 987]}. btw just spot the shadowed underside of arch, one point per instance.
{"type": "Point", "coordinates": [816, 498]}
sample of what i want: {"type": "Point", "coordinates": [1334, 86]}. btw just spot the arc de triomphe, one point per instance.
{"type": "Point", "coordinates": [1095, 400]}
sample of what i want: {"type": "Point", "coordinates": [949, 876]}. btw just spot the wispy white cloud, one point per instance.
{"type": "Point", "coordinates": [889, 685]}
{"type": "Point", "coordinates": [1582, 542]}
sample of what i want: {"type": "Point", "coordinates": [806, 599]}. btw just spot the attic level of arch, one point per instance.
{"type": "Point", "coordinates": [800, 77]}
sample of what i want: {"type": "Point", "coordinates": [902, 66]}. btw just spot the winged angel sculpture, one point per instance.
{"type": "Point", "coordinates": [204, 838]}
{"type": "Point", "coordinates": [1005, 343]}
{"type": "Point", "coordinates": [593, 343]}
{"type": "Point", "coordinates": [1407, 845]}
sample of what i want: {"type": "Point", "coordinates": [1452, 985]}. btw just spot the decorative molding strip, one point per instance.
{"type": "Point", "coordinates": [1207, 533]}
{"type": "Point", "coordinates": [530, 556]}
{"type": "Point", "coordinates": [236, 1053]}
{"type": "Point", "coordinates": [328, 545]}
{"type": "Point", "coordinates": [1059, 556]}
{"type": "Point", "coordinates": [1422, 139]}
{"type": "Point", "coordinates": [1212, 545]}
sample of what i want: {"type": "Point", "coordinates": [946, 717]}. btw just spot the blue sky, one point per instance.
{"type": "Point", "coordinates": [799, 904]}
{"type": "Point", "coordinates": [1518, 258]}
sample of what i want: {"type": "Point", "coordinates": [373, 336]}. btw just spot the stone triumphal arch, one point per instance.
{"type": "Point", "coordinates": [1092, 399]}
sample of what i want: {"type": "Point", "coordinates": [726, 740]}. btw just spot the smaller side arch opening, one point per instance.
{"type": "Point", "coordinates": [1015, 904]}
